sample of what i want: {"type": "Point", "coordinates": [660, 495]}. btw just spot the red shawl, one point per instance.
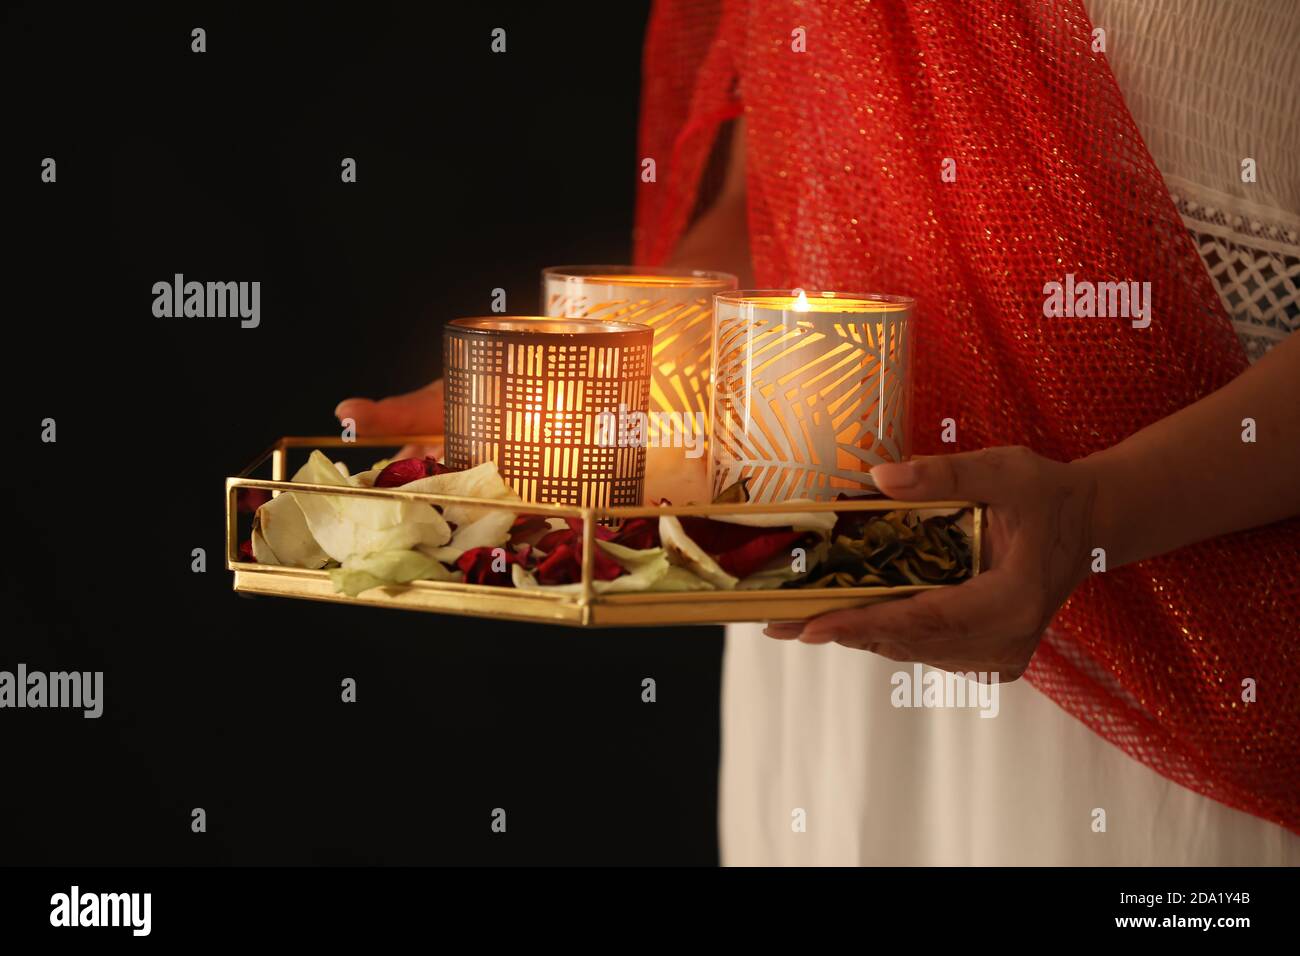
{"type": "Point", "coordinates": [844, 151]}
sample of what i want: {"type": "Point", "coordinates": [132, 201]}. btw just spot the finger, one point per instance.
{"type": "Point", "coordinates": [816, 636]}
{"type": "Point", "coordinates": [415, 413]}
{"type": "Point", "coordinates": [989, 475]}
{"type": "Point", "coordinates": [784, 630]}
{"type": "Point", "coordinates": [989, 604]}
{"type": "Point", "coordinates": [790, 630]}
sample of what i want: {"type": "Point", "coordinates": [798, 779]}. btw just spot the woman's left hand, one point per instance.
{"type": "Point", "coordinates": [1037, 549]}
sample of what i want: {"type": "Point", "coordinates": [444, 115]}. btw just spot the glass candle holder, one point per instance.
{"type": "Point", "coordinates": [810, 389]}
{"type": "Point", "coordinates": [678, 305]}
{"type": "Point", "coordinates": [540, 397]}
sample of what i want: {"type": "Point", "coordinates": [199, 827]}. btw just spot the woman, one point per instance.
{"type": "Point", "coordinates": [972, 155]}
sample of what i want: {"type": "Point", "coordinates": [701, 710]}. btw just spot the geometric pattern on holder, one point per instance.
{"type": "Point", "coordinates": [533, 404]}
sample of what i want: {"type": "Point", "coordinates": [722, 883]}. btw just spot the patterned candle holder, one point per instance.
{"type": "Point", "coordinates": [540, 398]}
{"type": "Point", "coordinates": [809, 390]}
{"type": "Point", "coordinates": [678, 305]}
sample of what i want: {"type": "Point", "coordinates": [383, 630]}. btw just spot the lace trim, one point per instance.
{"type": "Point", "coordinates": [1253, 255]}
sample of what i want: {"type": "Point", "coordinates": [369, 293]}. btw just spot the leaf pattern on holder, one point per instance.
{"type": "Point", "coordinates": [682, 322]}
{"type": "Point", "coordinates": [804, 407]}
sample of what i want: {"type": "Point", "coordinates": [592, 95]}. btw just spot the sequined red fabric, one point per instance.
{"type": "Point", "coordinates": [845, 149]}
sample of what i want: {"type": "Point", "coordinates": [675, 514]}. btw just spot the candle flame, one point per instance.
{"type": "Point", "coordinates": [800, 301]}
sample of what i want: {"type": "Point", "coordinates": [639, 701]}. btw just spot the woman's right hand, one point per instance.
{"type": "Point", "coordinates": [414, 413]}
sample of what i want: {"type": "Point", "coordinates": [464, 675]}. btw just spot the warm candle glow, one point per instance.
{"type": "Point", "coordinates": [810, 390]}
{"type": "Point", "coordinates": [678, 305]}
{"type": "Point", "coordinates": [535, 395]}
{"type": "Point", "coordinates": [799, 300]}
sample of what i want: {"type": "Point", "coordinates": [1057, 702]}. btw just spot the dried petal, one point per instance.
{"type": "Point", "coordinates": [435, 467]}
{"type": "Point", "coordinates": [248, 500]}
{"type": "Point", "coordinates": [564, 566]}
{"type": "Point", "coordinates": [489, 566]}
{"type": "Point", "coordinates": [343, 527]}
{"type": "Point", "coordinates": [360, 572]}
{"type": "Point", "coordinates": [528, 529]}
{"type": "Point", "coordinates": [683, 551]}
{"type": "Point", "coordinates": [736, 493]}
{"type": "Point", "coordinates": [402, 471]}
{"type": "Point", "coordinates": [572, 535]}
{"type": "Point", "coordinates": [646, 570]}
{"type": "Point", "coordinates": [560, 566]}
{"type": "Point", "coordinates": [741, 550]}
{"type": "Point", "coordinates": [897, 548]}
{"type": "Point", "coordinates": [639, 534]}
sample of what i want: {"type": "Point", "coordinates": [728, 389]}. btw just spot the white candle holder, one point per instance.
{"type": "Point", "coordinates": [677, 304]}
{"type": "Point", "coordinates": [809, 390]}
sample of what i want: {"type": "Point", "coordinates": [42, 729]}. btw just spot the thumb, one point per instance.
{"type": "Point", "coordinates": [414, 413]}
{"type": "Point", "coordinates": [984, 476]}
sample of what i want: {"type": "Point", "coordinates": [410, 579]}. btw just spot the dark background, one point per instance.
{"type": "Point", "coordinates": [475, 170]}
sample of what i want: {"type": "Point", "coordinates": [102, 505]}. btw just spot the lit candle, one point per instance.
{"type": "Point", "coordinates": [678, 305]}
{"type": "Point", "coordinates": [534, 396]}
{"type": "Point", "coordinates": [809, 390]}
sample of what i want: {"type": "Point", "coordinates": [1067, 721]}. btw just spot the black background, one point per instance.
{"type": "Point", "coordinates": [475, 170]}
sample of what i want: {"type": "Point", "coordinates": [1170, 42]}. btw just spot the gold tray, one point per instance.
{"type": "Point", "coordinates": [586, 609]}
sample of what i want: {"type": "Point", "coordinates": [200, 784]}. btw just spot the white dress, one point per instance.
{"type": "Point", "coordinates": [812, 729]}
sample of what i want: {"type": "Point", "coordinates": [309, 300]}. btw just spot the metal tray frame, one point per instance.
{"type": "Point", "coordinates": [584, 609]}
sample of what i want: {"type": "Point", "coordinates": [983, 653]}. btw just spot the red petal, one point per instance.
{"type": "Point", "coordinates": [477, 563]}
{"type": "Point", "coordinates": [602, 533]}
{"type": "Point", "coordinates": [740, 550]}
{"type": "Point", "coordinates": [400, 472]}
{"type": "Point", "coordinates": [563, 537]}
{"type": "Point", "coordinates": [438, 468]}
{"type": "Point", "coordinates": [246, 551]}
{"type": "Point", "coordinates": [638, 534]}
{"type": "Point", "coordinates": [605, 568]}
{"type": "Point", "coordinates": [561, 566]}
{"type": "Point", "coordinates": [759, 553]}
{"type": "Point", "coordinates": [719, 537]}
{"type": "Point", "coordinates": [528, 529]}
{"type": "Point", "coordinates": [248, 500]}
{"type": "Point", "coordinates": [563, 561]}
{"type": "Point", "coordinates": [572, 535]}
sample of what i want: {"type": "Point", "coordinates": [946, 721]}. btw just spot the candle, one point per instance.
{"type": "Point", "coordinates": [539, 396]}
{"type": "Point", "coordinates": [810, 389]}
{"type": "Point", "coordinates": [678, 305]}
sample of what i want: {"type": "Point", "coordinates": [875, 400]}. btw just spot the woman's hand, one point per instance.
{"type": "Point", "coordinates": [415, 413]}
{"type": "Point", "coordinates": [1037, 549]}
